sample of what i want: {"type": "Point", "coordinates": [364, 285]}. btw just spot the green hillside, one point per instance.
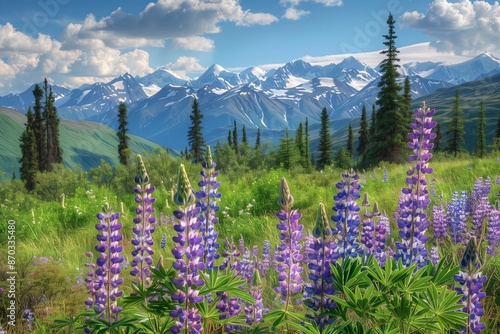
{"type": "Point", "coordinates": [471, 94]}
{"type": "Point", "coordinates": [84, 143]}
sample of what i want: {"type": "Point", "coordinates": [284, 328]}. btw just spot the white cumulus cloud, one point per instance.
{"type": "Point", "coordinates": [294, 14]}
{"type": "Point", "coordinates": [465, 27]}
{"type": "Point", "coordinates": [195, 43]}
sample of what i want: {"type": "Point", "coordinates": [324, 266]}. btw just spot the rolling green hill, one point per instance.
{"type": "Point", "coordinates": [84, 143]}
{"type": "Point", "coordinates": [471, 94]}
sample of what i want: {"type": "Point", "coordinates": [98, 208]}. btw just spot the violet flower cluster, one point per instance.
{"type": "Point", "coordinates": [207, 201]}
{"type": "Point", "coordinates": [103, 279]}
{"type": "Point", "coordinates": [289, 253]}
{"type": "Point", "coordinates": [321, 256]}
{"type": "Point", "coordinates": [347, 218]}
{"type": "Point", "coordinates": [493, 234]}
{"type": "Point", "coordinates": [188, 254]}
{"type": "Point", "coordinates": [144, 226]}
{"type": "Point", "coordinates": [412, 221]}
{"type": "Point", "coordinates": [457, 217]}
{"type": "Point", "coordinates": [439, 223]}
{"type": "Point", "coordinates": [471, 284]}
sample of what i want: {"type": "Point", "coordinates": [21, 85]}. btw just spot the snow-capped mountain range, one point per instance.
{"type": "Point", "coordinates": [159, 103]}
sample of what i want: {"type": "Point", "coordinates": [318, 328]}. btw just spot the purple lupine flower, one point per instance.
{"type": "Point", "coordinates": [413, 221]}
{"type": "Point", "coordinates": [457, 217]}
{"type": "Point", "coordinates": [188, 254]}
{"type": "Point", "coordinates": [347, 218]}
{"type": "Point", "coordinates": [107, 271]}
{"type": "Point", "coordinates": [266, 258]}
{"type": "Point", "coordinates": [471, 284]}
{"type": "Point", "coordinates": [230, 254]}
{"type": "Point", "coordinates": [385, 177]}
{"type": "Point", "coordinates": [493, 234]}
{"type": "Point", "coordinates": [144, 226]}
{"type": "Point", "coordinates": [439, 223]}
{"type": "Point", "coordinates": [382, 230]}
{"type": "Point", "coordinates": [207, 200]}
{"type": "Point", "coordinates": [480, 211]}
{"type": "Point", "coordinates": [320, 257]}
{"type": "Point", "coordinates": [434, 257]}
{"type": "Point", "coordinates": [255, 312]}
{"type": "Point", "coordinates": [289, 252]}
{"type": "Point", "coordinates": [228, 308]}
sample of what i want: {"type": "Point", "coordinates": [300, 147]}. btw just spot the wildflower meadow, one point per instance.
{"type": "Point", "coordinates": [407, 251]}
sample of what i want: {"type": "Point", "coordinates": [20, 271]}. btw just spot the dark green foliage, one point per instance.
{"type": "Point", "coordinates": [53, 148]}
{"type": "Point", "coordinates": [307, 162]}
{"type": "Point", "coordinates": [195, 135]}
{"type": "Point", "coordinates": [235, 139]}
{"type": "Point", "coordinates": [391, 120]}
{"type": "Point", "coordinates": [373, 125]}
{"type": "Point", "coordinates": [244, 139]}
{"type": "Point", "coordinates": [406, 102]}
{"type": "Point", "coordinates": [39, 128]}
{"type": "Point", "coordinates": [123, 138]}
{"type": "Point", "coordinates": [350, 142]}
{"type": "Point", "coordinates": [363, 133]}
{"type": "Point", "coordinates": [299, 140]}
{"type": "Point", "coordinates": [287, 154]}
{"type": "Point", "coordinates": [257, 140]}
{"type": "Point", "coordinates": [29, 154]}
{"type": "Point", "coordinates": [455, 132]}
{"type": "Point", "coordinates": [229, 138]}
{"type": "Point", "coordinates": [481, 138]}
{"type": "Point", "coordinates": [439, 137]}
{"type": "Point", "coordinates": [325, 142]}
{"type": "Point", "coordinates": [497, 132]}
{"type": "Point", "coordinates": [343, 159]}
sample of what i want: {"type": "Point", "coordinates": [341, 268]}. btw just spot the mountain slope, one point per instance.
{"type": "Point", "coordinates": [83, 143]}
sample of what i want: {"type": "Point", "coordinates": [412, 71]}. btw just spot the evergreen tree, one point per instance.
{"type": "Point", "coordinates": [39, 128]}
{"type": "Point", "coordinates": [235, 139]}
{"type": "Point", "coordinates": [481, 138]}
{"type": "Point", "coordinates": [439, 137]}
{"type": "Point", "coordinates": [244, 139]}
{"type": "Point", "coordinates": [195, 135]}
{"type": "Point", "coordinates": [299, 143]}
{"type": "Point", "coordinates": [307, 165]}
{"type": "Point", "coordinates": [29, 161]}
{"type": "Point", "coordinates": [390, 140]}
{"type": "Point", "coordinates": [229, 138]}
{"type": "Point", "coordinates": [325, 142]}
{"type": "Point", "coordinates": [350, 142]}
{"type": "Point", "coordinates": [53, 147]}
{"type": "Point", "coordinates": [343, 159]}
{"type": "Point", "coordinates": [497, 132]}
{"type": "Point", "coordinates": [373, 125]}
{"type": "Point", "coordinates": [257, 140]}
{"type": "Point", "coordinates": [455, 132]}
{"type": "Point", "coordinates": [287, 153]}
{"type": "Point", "coordinates": [363, 133]}
{"type": "Point", "coordinates": [406, 102]}
{"type": "Point", "coordinates": [123, 138]}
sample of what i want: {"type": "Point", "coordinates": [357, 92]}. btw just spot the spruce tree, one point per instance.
{"type": "Point", "coordinates": [299, 143]}
{"type": "Point", "coordinates": [390, 140]}
{"type": "Point", "coordinates": [123, 138]}
{"type": "Point", "coordinates": [363, 140]}
{"type": "Point", "coordinates": [325, 142]}
{"type": "Point", "coordinates": [195, 135]}
{"type": "Point", "coordinates": [229, 138]}
{"type": "Point", "coordinates": [53, 147]}
{"type": "Point", "coordinates": [350, 142]}
{"type": "Point", "coordinates": [257, 140]}
{"type": "Point", "coordinates": [406, 102]}
{"type": "Point", "coordinates": [481, 138]}
{"type": "Point", "coordinates": [306, 145]}
{"type": "Point", "coordinates": [244, 139]}
{"type": "Point", "coordinates": [497, 132]}
{"type": "Point", "coordinates": [373, 125]}
{"type": "Point", "coordinates": [439, 137]}
{"type": "Point", "coordinates": [39, 128]}
{"type": "Point", "coordinates": [455, 132]}
{"type": "Point", "coordinates": [287, 152]}
{"type": "Point", "coordinates": [29, 161]}
{"type": "Point", "coordinates": [235, 139]}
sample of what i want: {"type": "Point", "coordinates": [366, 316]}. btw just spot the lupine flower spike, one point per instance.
{"type": "Point", "coordinates": [471, 283]}
{"type": "Point", "coordinates": [321, 255]}
{"type": "Point", "coordinates": [106, 279]}
{"type": "Point", "coordinates": [188, 254]}
{"type": "Point", "coordinates": [144, 225]}
{"type": "Point", "coordinates": [412, 220]}
{"type": "Point", "coordinates": [289, 252]}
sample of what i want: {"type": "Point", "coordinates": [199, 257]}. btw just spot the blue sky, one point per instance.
{"type": "Point", "coordinates": [73, 42]}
